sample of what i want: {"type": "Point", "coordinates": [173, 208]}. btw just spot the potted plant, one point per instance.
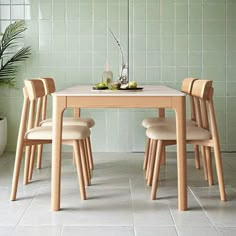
{"type": "Point", "coordinates": [11, 55]}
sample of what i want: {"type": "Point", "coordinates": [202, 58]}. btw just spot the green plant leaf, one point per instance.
{"type": "Point", "coordinates": [10, 55]}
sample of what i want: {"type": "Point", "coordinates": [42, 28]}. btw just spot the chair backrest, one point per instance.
{"type": "Point", "coordinates": [33, 94]}
{"type": "Point", "coordinates": [35, 89]}
{"type": "Point", "coordinates": [202, 93]}
{"type": "Point", "coordinates": [49, 86]}
{"type": "Point", "coordinates": [201, 88]}
{"type": "Point", "coordinates": [187, 85]}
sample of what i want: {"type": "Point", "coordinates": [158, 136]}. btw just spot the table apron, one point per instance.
{"type": "Point", "coordinates": [120, 102]}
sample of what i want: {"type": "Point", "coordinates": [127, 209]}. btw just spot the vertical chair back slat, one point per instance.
{"type": "Point", "coordinates": [50, 87]}
{"type": "Point", "coordinates": [38, 111]}
{"type": "Point", "coordinates": [44, 108]}
{"type": "Point", "coordinates": [187, 85]}
{"type": "Point", "coordinates": [205, 120]}
{"type": "Point", "coordinates": [31, 118]}
{"type": "Point", "coordinates": [192, 109]}
{"type": "Point", "coordinates": [24, 115]}
{"type": "Point", "coordinates": [198, 111]}
{"type": "Point", "coordinates": [212, 117]}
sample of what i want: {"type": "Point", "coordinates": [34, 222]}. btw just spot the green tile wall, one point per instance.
{"type": "Point", "coordinates": [168, 40]}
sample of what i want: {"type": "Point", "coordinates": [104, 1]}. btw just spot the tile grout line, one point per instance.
{"type": "Point", "coordinates": [175, 37]}
{"type": "Point", "coordinates": [202, 38]}
{"type": "Point", "coordinates": [132, 205]}
{"type": "Point", "coordinates": [161, 42]}
{"type": "Point", "coordinates": [62, 229]}
{"type": "Point", "coordinates": [226, 74]}
{"type": "Point", "coordinates": [188, 35]}
{"type": "Point", "coordinates": [175, 226]}
{"type": "Point", "coordinates": [203, 209]}
{"type": "Point", "coordinates": [17, 225]}
{"type": "Point", "coordinates": [106, 64]}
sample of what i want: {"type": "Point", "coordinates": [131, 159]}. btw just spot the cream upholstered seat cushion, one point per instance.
{"type": "Point", "coordinates": [154, 121]}
{"type": "Point", "coordinates": [169, 133]}
{"type": "Point", "coordinates": [89, 122]}
{"type": "Point", "coordinates": [73, 132]}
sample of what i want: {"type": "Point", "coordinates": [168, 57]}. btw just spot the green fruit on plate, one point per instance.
{"type": "Point", "coordinates": [114, 86]}
{"type": "Point", "coordinates": [101, 85]}
{"type": "Point", "coordinates": [133, 84]}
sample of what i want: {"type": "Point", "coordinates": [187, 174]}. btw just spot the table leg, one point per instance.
{"type": "Point", "coordinates": [76, 112]}
{"type": "Point", "coordinates": [161, 113]}
{"type": "Point", "coordinates": [59, 104]}
{"type": "Point", "coordinates": [179, 106]}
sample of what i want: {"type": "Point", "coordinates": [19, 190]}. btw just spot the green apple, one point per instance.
{"type": "Point", "coordinates": [133, 84]}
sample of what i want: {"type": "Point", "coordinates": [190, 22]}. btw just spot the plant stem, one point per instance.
{"type": "Point", "coordinates": [118, 43]}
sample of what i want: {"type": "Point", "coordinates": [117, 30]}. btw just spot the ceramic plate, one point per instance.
{"type": "Point", "coordinates": [130, 89]}
{"type": "Point", "coordinates": [103, 88]}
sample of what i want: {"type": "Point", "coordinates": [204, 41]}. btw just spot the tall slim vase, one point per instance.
{"type": "Point", "coordinates": [3, 134]}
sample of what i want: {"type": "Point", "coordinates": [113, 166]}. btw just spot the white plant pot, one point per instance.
{"type": "Point", "coordinates": [3, 134]}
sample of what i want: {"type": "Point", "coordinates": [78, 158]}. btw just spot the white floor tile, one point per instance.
{"type": "Point", "coordinates": [227, 231]}
{"type": "Point", "coordinates": [160, 231]}
{"type": "Point", "coordinates": [6, 230]}
{"type": "Point", "coordinates": [103, 207]}
{"type": "Point", "coordinates": [37, 231]}
{"type": "Point", "coordinates": [196, 231]}
{"type": "Point", "coordinates": [118, 200]}
{"type": "Point", "coordinates": [219, 212]}
{"type": "Point", "coordinates": [94, 230]}
{"type": "Point", "coordinates": [11, 212]}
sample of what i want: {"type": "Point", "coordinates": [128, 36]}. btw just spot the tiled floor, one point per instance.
{"type": "Point", "coordinates": [118, 200]}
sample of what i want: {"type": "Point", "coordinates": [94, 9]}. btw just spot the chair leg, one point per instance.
{"type": "Point", "coordinates": [152, 162]}
{"type": "Point", "coordinates": [156, 169]}
{"type": "Point", "coordinates": [146, 154]}
{"type": "Point", "coordinates": [163, 156]}
{"type": "Point", "coordinates": [87, 159]}
{"type": "Point", "coordinates": [204, 162]}
{"type": "Point", "coordinates": [16, 173]}
{"type": "Point", "coordinates": [73, 160]}
{"type": "Point", "coordinates": [90, 155]}
{"type": "Point", "coordinates": [209, 165]}
{"type": "Point", "coordinates": [196, 154]}
{"type": "Point", "coordinates": [79, 170]}
{"type": "Point", "coordinates": [27, 164]}
{"type": "Point", "coordinates": [219, 170]}
{"type": "Point", "coordinates": [150, 153]}
{"type": "Point", "coordinates": [84, 165]}
{"type": "Point", "coordinates": [31, 167]}
{"type": "Point", "coordinates": [39, 158]}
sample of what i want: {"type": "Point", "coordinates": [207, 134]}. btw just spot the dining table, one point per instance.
{"type": "Point", "coordinates": [148, 96]}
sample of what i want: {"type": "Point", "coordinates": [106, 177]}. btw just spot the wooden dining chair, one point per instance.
{"type": "Point", "coordinates": [50, 88]}
{"type": "Point", "coordinates": [187, 85]}
{"type": "Point", "coordinates": [30, 133]}
{"type": "Point", "coordinates": [205, 134]}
